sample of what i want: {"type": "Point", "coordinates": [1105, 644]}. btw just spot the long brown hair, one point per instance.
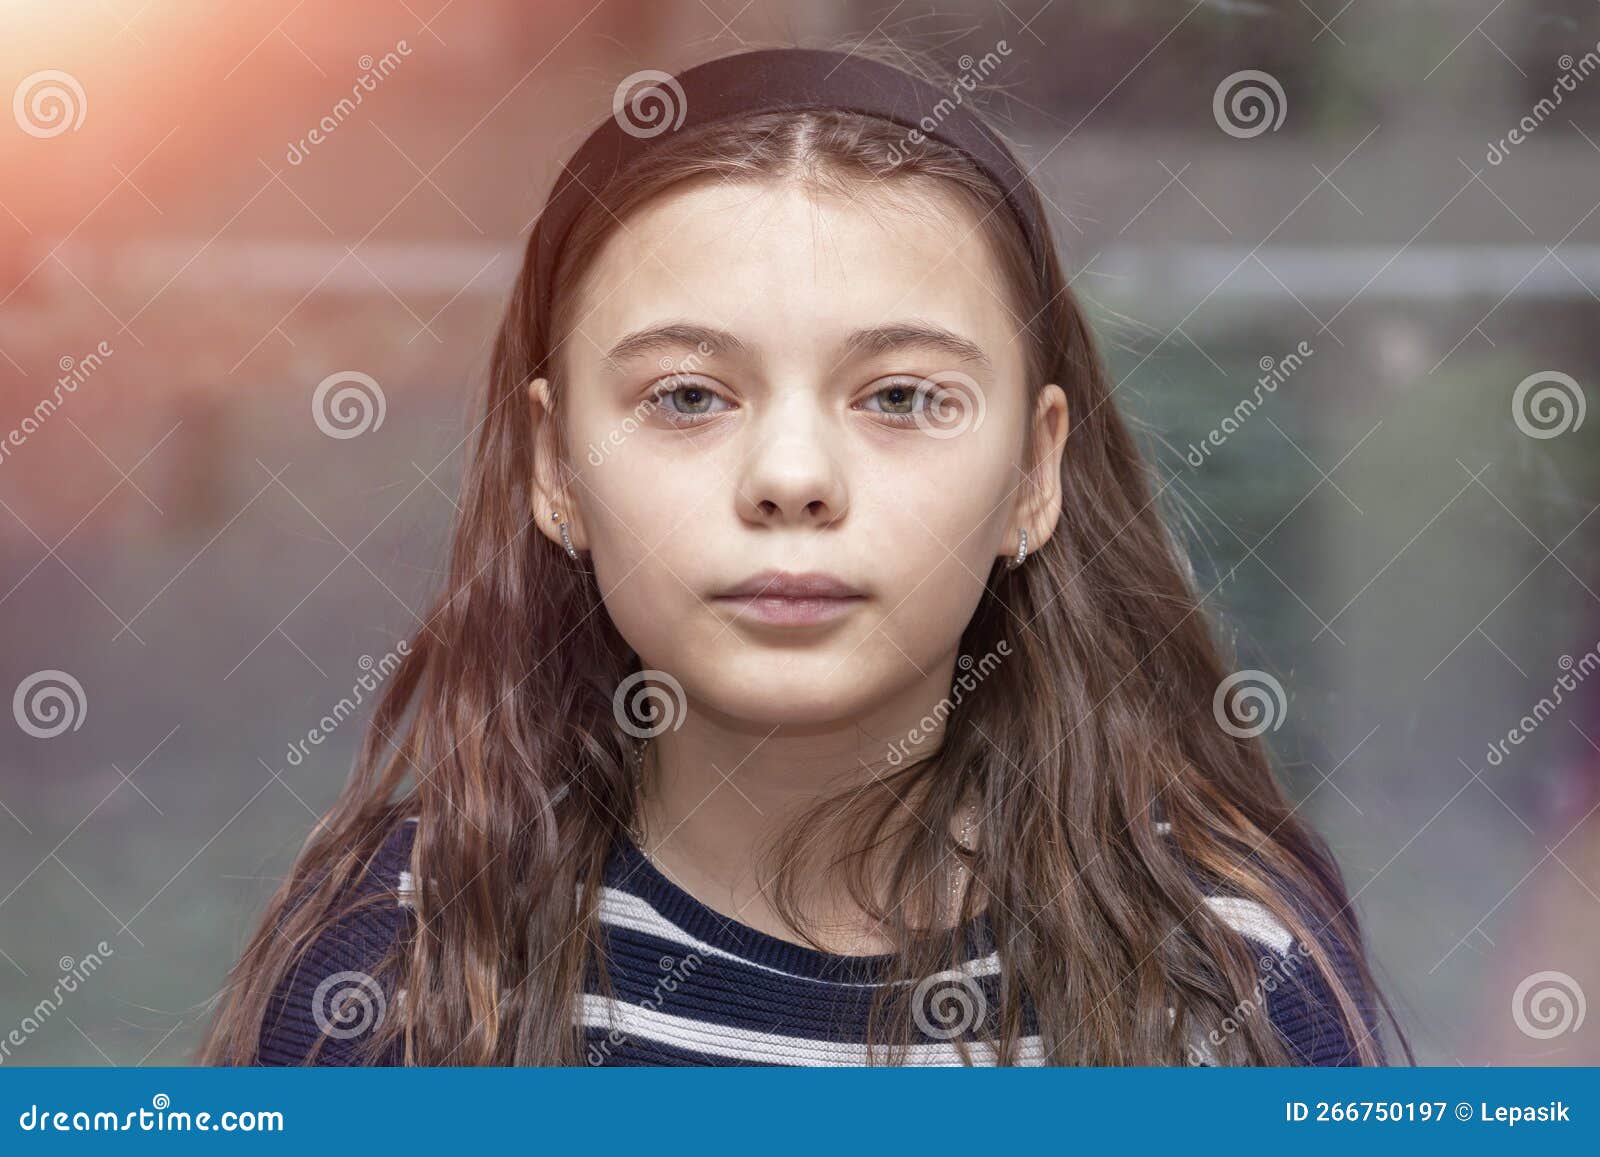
{"type": "Point", "coordinates": [498, 733]}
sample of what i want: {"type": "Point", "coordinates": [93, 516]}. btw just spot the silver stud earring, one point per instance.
{"type": "Point", "coordinates": [566, 537]}
{"type": "Point", "coordinates": [1022, 550]}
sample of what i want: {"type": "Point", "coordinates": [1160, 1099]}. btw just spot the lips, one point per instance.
{"type": "Point", "coordinates": [777, 584]}
{"type": "Point", "coordinates": [781, 598]}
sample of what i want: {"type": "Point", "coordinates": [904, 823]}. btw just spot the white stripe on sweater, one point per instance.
{"type": "Point", "coordinates": [1253, 919]}
{"type": "Point", "coordinates": [695, 1036]}
{"type": "Point", "coordinates": [626, 910]}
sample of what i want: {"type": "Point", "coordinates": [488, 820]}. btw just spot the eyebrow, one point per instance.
{"type": "Point", "coordinates": [673, 336]}
{"type": "Point", "coordinates": [881, 339]}
{"type": "Point", "coordinates": [916, 335]}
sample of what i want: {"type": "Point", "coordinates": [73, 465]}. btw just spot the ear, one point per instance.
{"type": "Point", "coordinates": [1038, 499]}
{"type": "Point", "coordinates": [550, 495]}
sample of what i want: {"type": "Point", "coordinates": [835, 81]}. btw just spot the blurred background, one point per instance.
{"type": "Point", "coordinates": [1344, 258]}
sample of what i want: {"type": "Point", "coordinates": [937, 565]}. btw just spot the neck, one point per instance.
{"type": "Point", "coordinates": [718, 793]}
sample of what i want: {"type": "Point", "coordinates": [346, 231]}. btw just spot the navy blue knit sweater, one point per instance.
{"type": "Point", "coordinates": [692, 987]}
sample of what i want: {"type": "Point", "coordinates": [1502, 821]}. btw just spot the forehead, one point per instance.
{"type": "Point", "coordinates": [787, 267]}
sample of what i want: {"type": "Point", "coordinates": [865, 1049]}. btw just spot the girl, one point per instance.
{"type": "Point", "coordinates": [814, 682]}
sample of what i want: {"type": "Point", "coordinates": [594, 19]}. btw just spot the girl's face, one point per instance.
{"type": "Point", "coordinates": [773, 391]}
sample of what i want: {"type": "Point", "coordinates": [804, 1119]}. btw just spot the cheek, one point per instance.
{"type": "Point", "coordinates": [934, 547]}
{"type": "Point", "coordinates": [644, 525]}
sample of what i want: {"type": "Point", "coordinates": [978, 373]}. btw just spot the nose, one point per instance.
{"type": "Point", "coordinates": [792, 476]}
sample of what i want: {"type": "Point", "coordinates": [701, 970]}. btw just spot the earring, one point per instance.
{"type": "Point", "coordinates": [1022, 550]}
{"type": "Point", "coordinates": [566, 538]}
{"type": "Point", "coordinates": [965, 846]}
{"type": "Point", "coordinates": [635, 823]}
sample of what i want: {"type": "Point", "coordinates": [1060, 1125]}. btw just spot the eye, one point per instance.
{"type": "Point", "coordinates": [899, 399]}
{"type": "Point", "coordinates": [684, 400]}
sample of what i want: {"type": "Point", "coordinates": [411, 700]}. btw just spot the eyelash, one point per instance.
{"type": "Point", "coordinates": [923, 394]}
{"type": "Point", "coordinates": [668, 387]}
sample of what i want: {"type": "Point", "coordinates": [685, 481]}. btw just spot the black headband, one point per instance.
{"type": "Point", "coordinates": [771, 80]}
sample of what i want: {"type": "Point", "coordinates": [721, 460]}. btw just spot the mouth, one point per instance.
{"type": "Point", "coordinates": [782, 599]}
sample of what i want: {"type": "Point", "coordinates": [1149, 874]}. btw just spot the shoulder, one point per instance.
{"type": "Point", "coordinates": [1292, 988]}
{"type": "Point", "coordinates": [335, 997]}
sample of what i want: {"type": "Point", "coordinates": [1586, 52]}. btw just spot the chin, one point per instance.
{"type": "Point", "coordinates": [804, 695]}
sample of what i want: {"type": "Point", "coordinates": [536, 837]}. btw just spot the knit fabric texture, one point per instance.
{"type": "Point", "coordinates": [690, 986]}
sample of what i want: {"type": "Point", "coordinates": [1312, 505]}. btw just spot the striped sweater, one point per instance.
{"type": "Point", "coordinates": [690, 986]}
